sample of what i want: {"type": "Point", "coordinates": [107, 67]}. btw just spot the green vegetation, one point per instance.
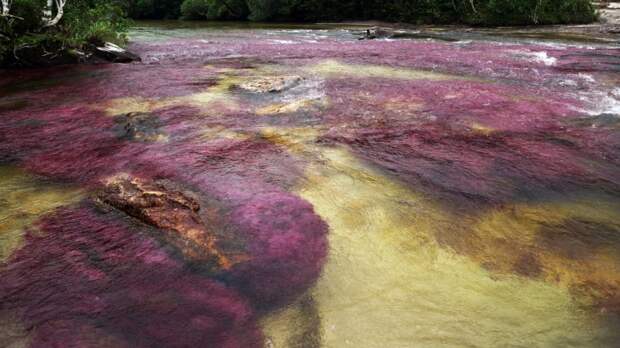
{"type": "Point", "coordinates": [475, 12]}
{"type": "Point", "coordinates": [27, 37]}
{"type": "Point", "coordinates": [26, 28]}
{"type": "Point", "coordinates": [152, 9]}
{"type": "Point", "coordinates": [214, 9]}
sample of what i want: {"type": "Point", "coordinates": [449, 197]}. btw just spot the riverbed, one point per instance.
{"type": "Point", "coordinates": [293, 186]}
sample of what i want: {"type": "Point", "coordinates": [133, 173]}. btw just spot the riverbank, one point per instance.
{"type": "Point", "coordinates": [608, 11]}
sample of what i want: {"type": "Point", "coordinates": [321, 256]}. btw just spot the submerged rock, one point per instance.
{"type": "Point", "coordinates": [269, 84]}
{"type": "Point", "coordinates": [139, 126]}
{"type": "Point", "coordinates": [162, 205]}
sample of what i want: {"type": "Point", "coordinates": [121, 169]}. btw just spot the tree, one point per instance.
{"type": "Point", "coordinates": [6, 7]}
{"type": "Point", "coordinates": [48, 20]}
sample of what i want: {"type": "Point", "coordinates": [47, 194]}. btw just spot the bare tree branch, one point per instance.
{"type": "Point", "coordinates": [473, 6]}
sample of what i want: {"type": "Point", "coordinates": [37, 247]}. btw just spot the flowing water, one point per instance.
{"type": "Point", "coordinates": [292, 186]}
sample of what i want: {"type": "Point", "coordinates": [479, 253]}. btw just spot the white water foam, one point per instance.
{"type": "Point", "coordinates": [603, 103]}
{"type": "Point", "coordinates": [541, 57]}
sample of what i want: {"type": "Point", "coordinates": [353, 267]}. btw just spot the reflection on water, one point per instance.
{"type": "Point", "coordinates": [389, 193]}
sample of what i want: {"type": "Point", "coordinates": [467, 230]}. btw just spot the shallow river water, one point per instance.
{"type": "Point", "coordinates": [292, 186]}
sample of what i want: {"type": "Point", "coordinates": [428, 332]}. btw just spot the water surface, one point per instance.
{"type": "Point", "coordinates": [292, 186]}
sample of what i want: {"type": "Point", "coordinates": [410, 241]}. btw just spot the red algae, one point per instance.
{"type": "Point", "coordinates": [515, 165]}
{"type": "Point", "coordinates": [87, 269]}
{"type": "Point", "coordinates": [287, 246]}
{"type": "Point", "coordinates": [478, 128]}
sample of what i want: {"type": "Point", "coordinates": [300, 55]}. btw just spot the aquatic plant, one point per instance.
{"type": "Point", "coordinates": [344, 180]}
{"type": "Point", "coordinates": [90, 278]}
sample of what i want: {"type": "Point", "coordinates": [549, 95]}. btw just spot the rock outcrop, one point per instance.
{"type": "Point", "coordinates": [176, 212]}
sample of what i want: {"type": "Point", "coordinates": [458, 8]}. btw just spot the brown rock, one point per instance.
{"type": "Point", "coordinates": [162, 205]}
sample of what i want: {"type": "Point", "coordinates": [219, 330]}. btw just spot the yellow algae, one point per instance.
{"type": "Point", "coordinates": [481, 129]}
{"type": "Point", "coordinates": [294, 106]}
{"type": "Point", "coordinates": [22, 201]}
{"type": "Point", "coordinates": [388, 283]}
{"type": "Point", "coordinates": [131, 104]}
{"type": "Point", "coordinates": [215, 96]}
{"type": "Point", "coordinates": [334, 68]}
{"type": "Point", "coordinates": [209, 100]}
{"type": "Point", "coordinates": [572, 242]}
{"type": "Point", "coordinates": [296, 325]}
{"type": "Point", "coordinates": [296, 140]}
{"type": "Point", "coordinates": [219, 93]}
{"type": "Point", "coordinates": [221, 132]}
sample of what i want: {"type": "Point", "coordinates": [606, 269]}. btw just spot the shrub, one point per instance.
{"type": "Point", "coordinates": [194, 9]}
{"type": "Point", "coordinates": [153, 9]}
{"type": "Point", "coordinates": [527, 12]}
{"type": "Point", "coordinates": [84, 22]}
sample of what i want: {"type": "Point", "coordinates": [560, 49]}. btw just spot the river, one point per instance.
{"type": "Point", "coordinates": [293, 186]}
